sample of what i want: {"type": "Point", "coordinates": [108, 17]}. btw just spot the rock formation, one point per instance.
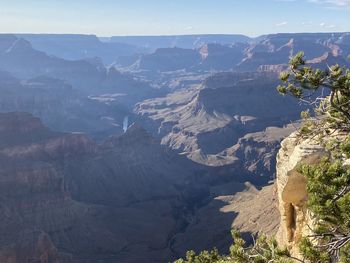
{"type": "Point", "coordinates": [296, 221]}
{"type": "Point", "coordinates": [205, 122]}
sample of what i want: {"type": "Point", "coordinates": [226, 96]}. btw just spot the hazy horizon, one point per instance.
{"type": "Point", "coordinates": [158, 18]}
{"type": "Point", "coordinates": [172, 35]}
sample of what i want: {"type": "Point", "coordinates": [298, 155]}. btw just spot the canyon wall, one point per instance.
{"type": "Point", "coordinates": [296, 221]}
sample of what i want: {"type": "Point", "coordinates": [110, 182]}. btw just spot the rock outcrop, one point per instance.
{"type": "Point", "coordinates": [207, 122]}
{"type": "Point", "coordinates": [296, 221]}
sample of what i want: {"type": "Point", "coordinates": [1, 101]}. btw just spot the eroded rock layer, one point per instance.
{"type": "Point", "coordinates": [296, 221]}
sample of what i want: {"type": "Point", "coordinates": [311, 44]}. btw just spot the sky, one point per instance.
{"type": "Point", "coordinates": [173, 17]}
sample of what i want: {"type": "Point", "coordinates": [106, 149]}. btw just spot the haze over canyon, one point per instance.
{"type": "Point", "coordinates": [140, 148]}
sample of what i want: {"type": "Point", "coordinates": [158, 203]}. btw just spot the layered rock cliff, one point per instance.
{"type": "Point", "coordinates": [296, 221]}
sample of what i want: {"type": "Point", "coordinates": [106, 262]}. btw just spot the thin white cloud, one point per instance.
{"type": "Point", "coordinates": [327, 26]}
{"type": "Point", "coordinates": [336, 3]}
{"type": "Point", "coordinates": [284, 23]}
{"type": "Point", "coordinates": [331, 26]}
{"type": "Point", "coordinates": [345, 3]}
{"type": "Point", "coordinates": [307, 23]}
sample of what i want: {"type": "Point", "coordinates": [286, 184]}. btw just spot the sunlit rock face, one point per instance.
{"type": "Point", "coordinates": [296, 221]}
{"type": "Point", "coordinates": [208, 122]}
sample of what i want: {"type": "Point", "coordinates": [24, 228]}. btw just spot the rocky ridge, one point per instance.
{"type": "Point", "coordinates": [296, 220]}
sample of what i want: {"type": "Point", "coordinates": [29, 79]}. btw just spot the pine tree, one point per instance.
{"type": "Point", "coordinates": [328, 183]}
{"type": "Point", "coordinates": [262, 251]}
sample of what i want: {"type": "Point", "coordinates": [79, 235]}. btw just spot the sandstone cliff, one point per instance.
{"type": "Point", "coordinates": [296, 221]}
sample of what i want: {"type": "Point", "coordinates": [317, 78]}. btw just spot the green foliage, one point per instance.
{"type": "Point", "coordinates": [311, 253]}
{"type": "Point", "coordinates": [329, 193]}
{"type": "Point", "coordinates": [328, 188]}
{"type": "Point", "coordinates": [345, 147]}
{"type": "Point", "coordinates": [328, 182]}
{"type": "Point", "coordinates": [264, 250]}
{"type": "Point", "coordinates": [203, 257]}
{"type": "Point", "coordinates": [303, 82]}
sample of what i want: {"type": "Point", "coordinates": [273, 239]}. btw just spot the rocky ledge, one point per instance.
{"type": "Point", "coordinates": [296, 221]}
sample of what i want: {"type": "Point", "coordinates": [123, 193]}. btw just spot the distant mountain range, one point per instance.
{"type": "Point", "coordinates": [267, 53]}
{"type": "Point", "coordinates": [75, 47]}
{"type": "Point", "coordinates": [184, 41]}
{"type": "Point", "coordinates": [215, 52]}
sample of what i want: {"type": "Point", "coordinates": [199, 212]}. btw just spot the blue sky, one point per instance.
{"type": "Point", "coordinates": [166, 17]}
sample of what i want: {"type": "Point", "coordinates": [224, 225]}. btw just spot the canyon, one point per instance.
{"type": "Point", "coordinates": [196, 157]}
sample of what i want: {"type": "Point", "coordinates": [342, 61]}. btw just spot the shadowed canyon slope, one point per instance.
{"type": "Point", "coordinates": [69, 199]}
{"type": "Point", "coordinates": [91, 201]}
